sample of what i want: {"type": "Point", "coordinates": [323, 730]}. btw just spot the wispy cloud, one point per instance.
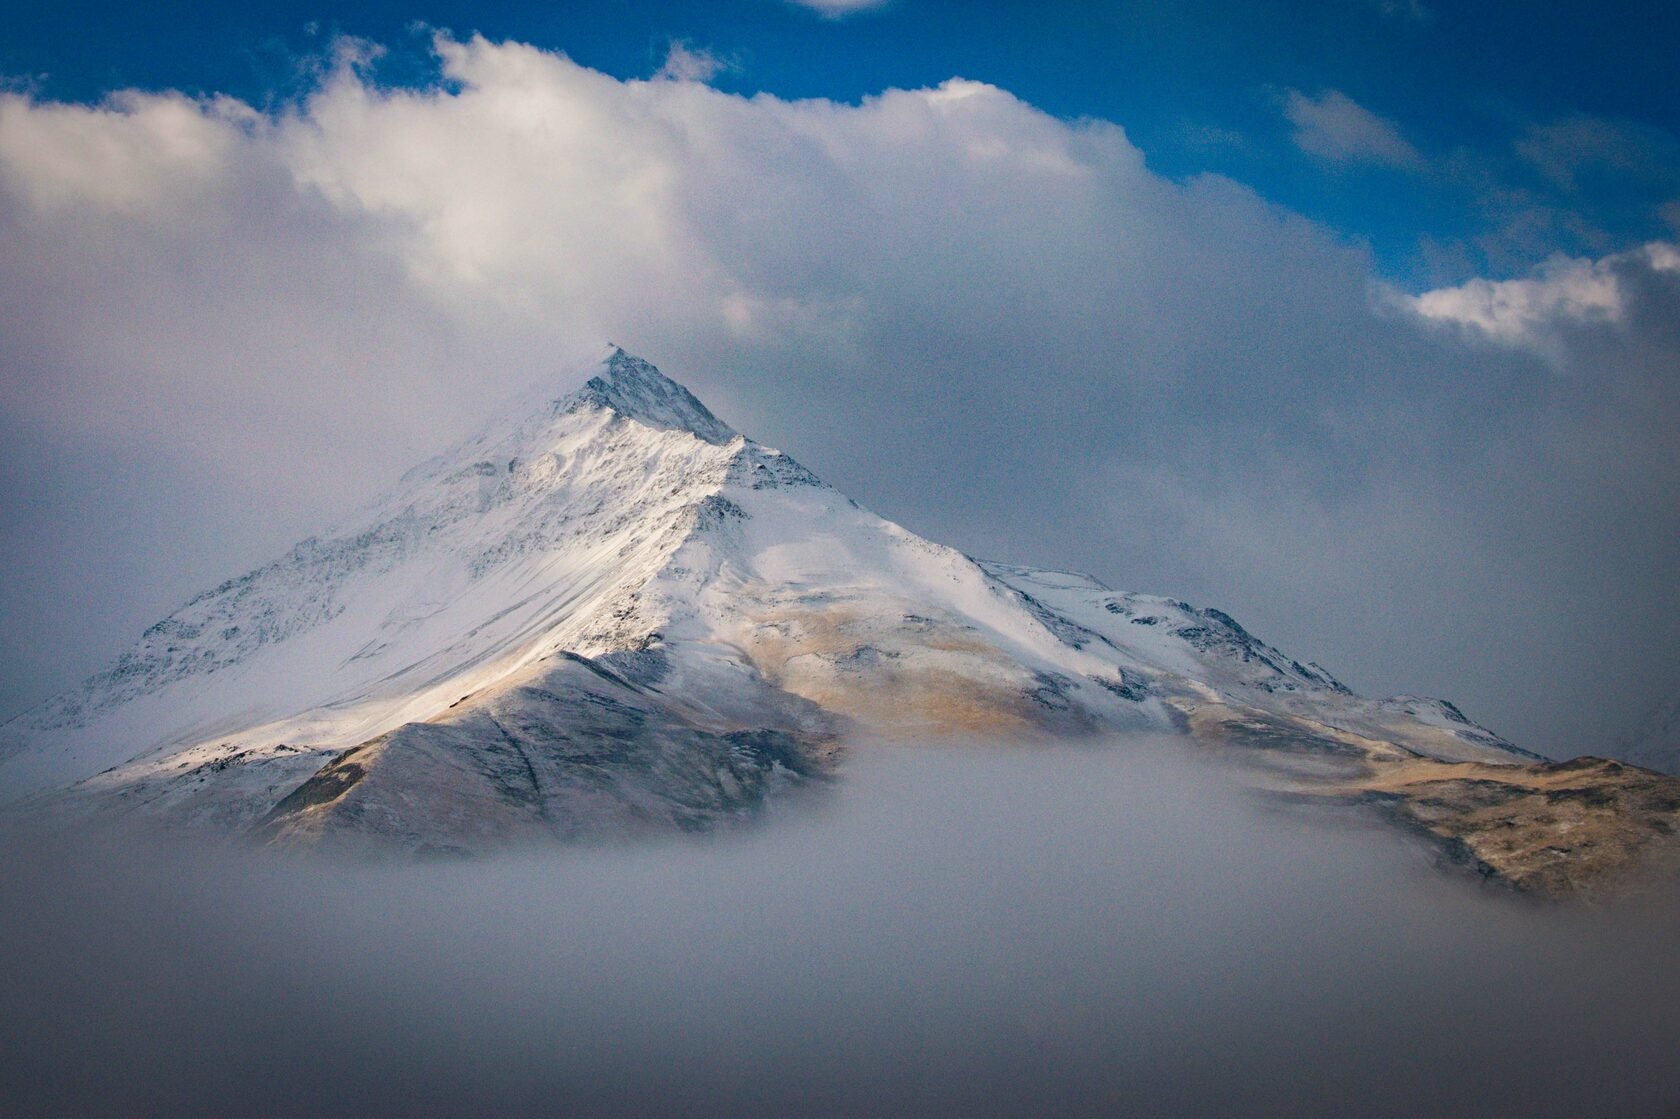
{"type": "Point", "coordinates": [1411, 11]}
{"type": "Point", "coordinates": [837, 9]}
{"type": "Point", "coordinates": [1334, 127]}
{"type": "Point", "coordinates": [1565, 149]}
{"type": "Point", "coordinates": [685, 62]}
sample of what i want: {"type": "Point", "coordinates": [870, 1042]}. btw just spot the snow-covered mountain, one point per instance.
{"type": "Point", "coordinates": [614, 613]}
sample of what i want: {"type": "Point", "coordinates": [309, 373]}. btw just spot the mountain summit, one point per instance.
{"type": "Point", "coordinates": [636, 390]}
{"type": "Point", "coordinates": [615, 614]}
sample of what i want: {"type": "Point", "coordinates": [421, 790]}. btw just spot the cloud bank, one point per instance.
{"type": "Point", "coordinates": [966, 933]}
{"type": "Point", "coordinates": [223, 326]}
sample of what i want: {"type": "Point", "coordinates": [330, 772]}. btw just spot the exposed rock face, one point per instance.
{"type": "Point", "coordinates": [582, 748]}
{"type": "Point", "coordinates": [613, 614]}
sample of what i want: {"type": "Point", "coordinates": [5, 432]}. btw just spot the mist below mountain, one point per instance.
{"type": "Point", "coordinates": [1037, 930]}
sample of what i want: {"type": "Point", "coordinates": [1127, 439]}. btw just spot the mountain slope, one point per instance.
{"type": "Point", "coordinates": [613, 614]}
{"type": "Point", "coordinates": [510, 546]}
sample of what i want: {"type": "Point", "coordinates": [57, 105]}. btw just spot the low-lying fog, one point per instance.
{"type": "Point", "coordinates": [1043, 932]}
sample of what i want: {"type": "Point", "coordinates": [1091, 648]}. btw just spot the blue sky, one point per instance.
{"type": "Point", "coordinates": [1518, 129]}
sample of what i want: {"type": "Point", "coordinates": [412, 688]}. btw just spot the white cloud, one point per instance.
{"type": "Point", "coordinates": [1334, 127]}
{"type": "Point", "coordinates": [687, 63]}
{"type": "Point", "coordinates": [219, 327]}
{"type": "Point", "coordinates": [1563, 293]}
{"type": "Point", "coordinates": [134, 155]}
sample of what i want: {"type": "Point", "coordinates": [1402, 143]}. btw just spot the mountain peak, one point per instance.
{"type": "Point", "coordinates": [569, 626]}
{"type": "Point", "coordinates": [636, 389]}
